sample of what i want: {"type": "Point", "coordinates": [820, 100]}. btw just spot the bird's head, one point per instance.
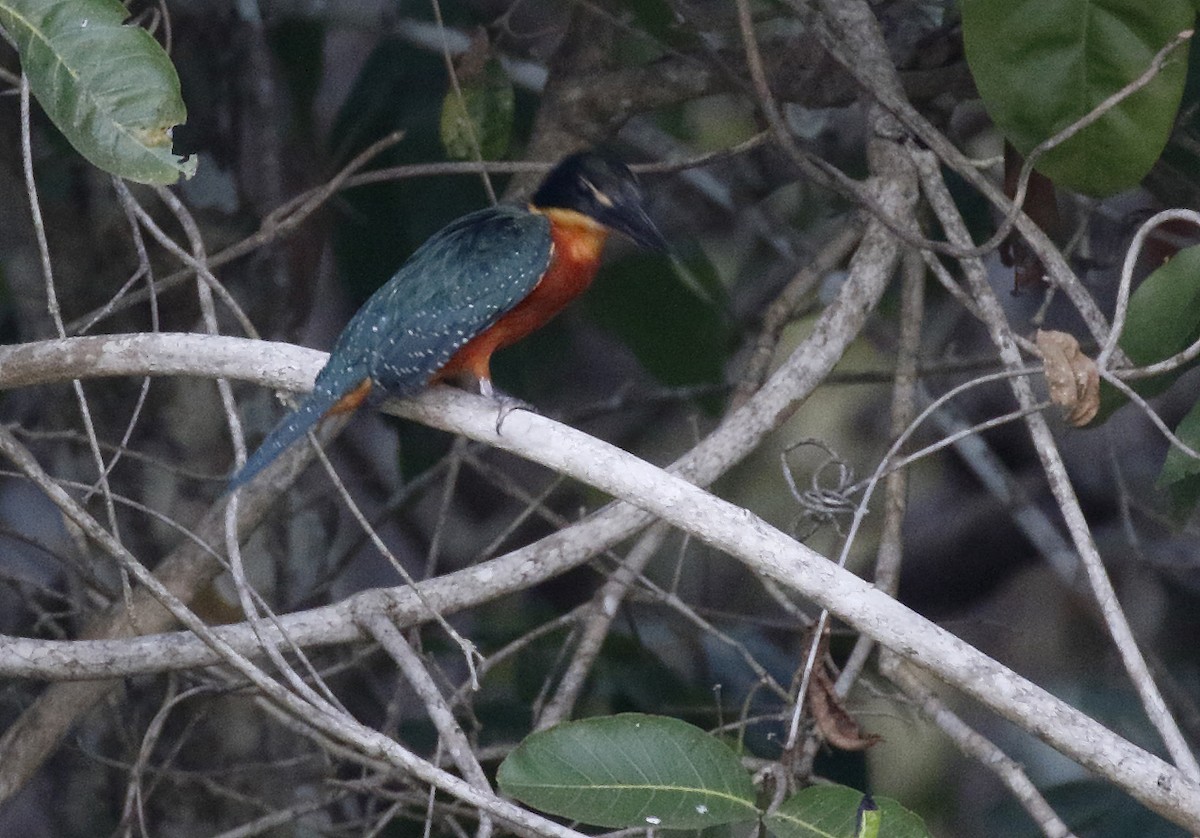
{"type": "Point", "coordinates": [600, 187]}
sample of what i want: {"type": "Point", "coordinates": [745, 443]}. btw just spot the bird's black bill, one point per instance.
{"type": "Point", "coordinates": [636, 224]}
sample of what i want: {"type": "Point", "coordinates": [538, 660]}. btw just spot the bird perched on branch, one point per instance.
{"type": "Point", "coordinates": [481, 283]}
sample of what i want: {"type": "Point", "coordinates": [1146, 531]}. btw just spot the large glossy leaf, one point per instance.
{"type": "Point", "coordinates": [109, 88]}
{"type": "Point", "coordinates": [1164, 311]}
{"type": "Point", "coordinates": [669, 312]}
{"type": "Point", "coordinates": [1041, 65]}
{"type": "Point", "coordinates": [630, 770]}
{"type": "Point", "coordinates": [833, 812]}
{"type": "Point", "coordinates": [1163, 319]}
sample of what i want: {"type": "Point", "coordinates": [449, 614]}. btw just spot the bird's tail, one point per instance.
{"type": "Point", "coordinates": [291, 427]}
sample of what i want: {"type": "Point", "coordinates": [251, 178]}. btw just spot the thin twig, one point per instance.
{"type": "Point", "coordinates": [52, 306]}
{"type": "Point", "coordinates": [450, 732]}
{"type": "Point", "coordinates": [595, 625]}
{"type": "Point", "coordinates": [1151, 414]}
{"type": "Point", "coordinates": [456, 88]}
{"type": "Point", "coordinates": [1093, 116]}
{"type": "Point", "coordinates": [974, 745]}
{"type": "Point", "coordinates": [855, 16]}
{"type": "Point", "coordinates": [890, 553]}
{"type": "Point", "coordinates": [470, 654]}
{"type": "Point", "coordinates": [782, 309]}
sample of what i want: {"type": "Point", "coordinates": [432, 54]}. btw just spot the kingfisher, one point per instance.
{"type": "Point", "coordinates": [480, 284]}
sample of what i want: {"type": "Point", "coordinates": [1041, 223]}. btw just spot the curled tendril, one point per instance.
{"type": "Point", "coordinates": [830, 488]}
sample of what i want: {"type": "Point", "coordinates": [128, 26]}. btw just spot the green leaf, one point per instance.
{"type": "Point", "coordinates": [109, 88]}
{"type": "Point", "coordinates": [1164, 311]}
{"type": "Point", "coordinates": [1163, 319]}
{"type": "Point", "coordinates": [670, 313]}
{"type": "Point", "coordinates": [833, 812]}
{"type": "Point", "coordinates": [1041, 65]}
{"type": "Point", "coordinates": [630, 770]}
{"type": "Point", "coordinates": [482, 116]}
{"type": "Point", "coordinates": [1180, 474]}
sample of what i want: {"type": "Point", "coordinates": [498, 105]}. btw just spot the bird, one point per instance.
{"type": "Point", "coordinates": [483, 282]}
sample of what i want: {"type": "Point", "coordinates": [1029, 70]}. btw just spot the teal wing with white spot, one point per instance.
{"type": "Point", "coordinates": [461, 281]}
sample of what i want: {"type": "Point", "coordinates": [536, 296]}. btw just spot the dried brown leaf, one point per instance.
{"type": "Point", "coordinates": [833, 720]}
{"type": "Point", "coordinates": [1072, 376]}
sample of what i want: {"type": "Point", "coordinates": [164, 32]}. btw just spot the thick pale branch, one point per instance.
{"type": "Point", "coordinates": [774, 554]}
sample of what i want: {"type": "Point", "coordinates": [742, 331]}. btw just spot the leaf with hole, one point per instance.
{"type": "Point", "coordinates": [108, 87]}
{"type": "Point", "coordinates": [1041, 65]}
{"type": "Point", "coordinates": [631, 770]}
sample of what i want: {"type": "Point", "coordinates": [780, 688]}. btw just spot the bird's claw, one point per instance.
{"type": "Point", "coordinates": [506, 405]}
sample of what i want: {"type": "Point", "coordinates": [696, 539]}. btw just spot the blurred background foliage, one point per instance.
{"type": "Point", "coordinates": [283, 93]}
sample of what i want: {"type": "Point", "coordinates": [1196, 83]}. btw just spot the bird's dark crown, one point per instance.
{"type": "Point", "coordinates": [598, 185]}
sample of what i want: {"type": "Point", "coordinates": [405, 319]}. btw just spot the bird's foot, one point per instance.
{"type": "Point", "coordinates": [505, 405]}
